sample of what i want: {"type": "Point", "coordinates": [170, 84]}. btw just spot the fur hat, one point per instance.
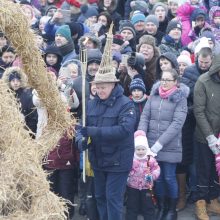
{"type": "Point", "coordinates": [159, 4]}
{"type": "Point", "coordinates": [64, 31]}
{"type": "Point", "coordinates": [127, 25]}
{"type": "Point", "coordinates": [172, 25]}
{"type": "Point", "coordinates": [184, 59]}
{"type": "Point", "coordinates": [87, 12]}
{"type": "Point", "coordinates": [137, 16]}
{"type": "Point", "coordinates": [146, 39]}
{"type": "Point", "coordinates": [92, 37]}
{"type": "Point", "coordinates": [137, 83]}
{"type": "Point", "coordinates": [153, 19]}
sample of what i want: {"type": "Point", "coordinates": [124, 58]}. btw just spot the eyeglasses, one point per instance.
{"type": "Point", "coordinates": [167, 80]}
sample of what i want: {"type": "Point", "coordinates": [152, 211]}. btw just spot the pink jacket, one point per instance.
{"type": "Point", "coordinates": [140, 169]}
{"type": "Point", "coordinates": [183, 14]}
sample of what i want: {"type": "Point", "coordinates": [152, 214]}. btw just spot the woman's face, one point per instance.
{"type": "Point", "coordinates": [182, 67]}
{"type": "Point", "coordinates": [107, 3]}
{"type": "Point", "coordinates": [165, 64]}
{"type": "Point", "coordinates": [148, 52]}
{"type": "Point", "coordinates": [102, 20]}
{"type": "Point", "coordinates": [127, 35]}
{"type": "Point", "coordinates": [160, 13]}
{"type": "Point", "coordinates": [167, 81]}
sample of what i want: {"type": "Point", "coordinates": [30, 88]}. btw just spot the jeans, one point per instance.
{"type": "Point", "coordinates": [166, 184]}
{"type": "Point", "coordinates": [109, 192]}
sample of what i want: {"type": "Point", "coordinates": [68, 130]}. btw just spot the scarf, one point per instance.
{"type": "Point", "coordinates": [67, 48]}
{"type": "Point", "coordinates": [164, 94]}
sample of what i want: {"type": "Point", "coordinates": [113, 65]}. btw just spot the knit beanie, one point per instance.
{"type": "Point", "coordinates": [14, 75]}
{"type": "Point", "coordinates": [159, 4]}
{"type": "Point", "coordinates": [153, 19]}
{"type": "Point", "coordinates": [184, 59]}
{"type": "Point", "coordinates": [137, 16]}
{"type": "Point", "coordinates": [118, 39]}
{"type": "Point", "coordinates": [198, 12]}
{"type": "Point", "coordinates": [127, 25]}
{"type": "Point", "coordinates": [94, 56]}
{"type": "Point", "coordinates": [87, 12]}
{"type": "Point", "coordinates": [146, 39]}
{"type": "Point", "coordinates": [140, 139]}
{"type": "Point", "coordinates": [64, 31]}
{"type": "Point", "coordinates": [137, 83]}
{"type": "Point", "coordinates": [74, 3]}
{"type": "Point", "coordinates": [208, 34]}
{"type": "Point", "coordinates": [139, 5]}
{"type": "Point", "coordinates": [172, 25]}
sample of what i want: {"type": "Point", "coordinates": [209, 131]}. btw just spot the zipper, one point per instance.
{"type": "Point", "coordinates": [158, 124]}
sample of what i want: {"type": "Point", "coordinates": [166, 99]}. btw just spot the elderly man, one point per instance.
{"type": "Point", "coordinates": [110, 121]}
{"type": "Point", "coordinates": [207, 114]}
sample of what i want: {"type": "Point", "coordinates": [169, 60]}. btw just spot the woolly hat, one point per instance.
{"type": "Point", "coordinates": [126, 25]}
{"type": "Point", "coordinates": [198, 12]}
{"type": "Point", "coordinates": [64, 31]}
{"type": "Point", "coordinates": [94, 56]}
{"type": "Point", "coordinates": [184, 59]}
{"type": "Point", "coordinates": [137, 16]}
{"type": "Point", "coordinates": [203, 43]}
{"type": "Point", "coordinates": [74, 3]}
{"type": "Point", "coordinates": [137, 83]}
{"type": "Point", "coordinates": [92, 37]}
{"type": "Point", "coordinates": [118, 39]}
{"type": "Point", "coordinates": [147, 39]}
{"type": "Point", "coordinates": [49, 8]}
{"type": "Point", "coordinates": [208, 34]}
{"type": "Point", "coordinates": [87, 12]}
{"type": "Point", "coordinates": [153, 19]}
{"type": "Point", "coordinates": [159, 4]}
{"type": "Point", "coordinates": [140, 139]}
{"type": "Point", "coordinates": [139, 5]}
{"type": "Point", "coordinates": [172, 25]}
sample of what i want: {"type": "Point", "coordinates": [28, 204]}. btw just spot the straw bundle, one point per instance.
{"type": "Point", "coordinates": [24, 190]}
{"type": "Point", "coordinates": [15, 26]}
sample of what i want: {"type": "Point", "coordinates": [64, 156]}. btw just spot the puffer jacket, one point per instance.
{"type": "Point", "coordinates": [207, 102]}
{"type": "Point", "coordinates": [163, 119]}
{"type": "Point", "coordinates": [141, 168]}
{"type": "Point", "coordinates": [112, 146]}
{"type": "Point", "coordinates": [215, 29]}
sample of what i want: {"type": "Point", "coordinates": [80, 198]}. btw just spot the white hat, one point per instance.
{"type": "Point", "coordinates": [203, 43]}
{"type": "Point", "coordinates": [184, 59]}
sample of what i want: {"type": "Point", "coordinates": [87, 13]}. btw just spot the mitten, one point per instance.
{"type": "Point", "coordinates": [156, 147]}
{"type": "Point", "coordinates": [212, 143]}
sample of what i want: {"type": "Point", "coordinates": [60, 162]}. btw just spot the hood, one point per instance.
{"type": "Point", "coordinates": [52, 49]}
{"type": "Point", "coordinates": [196, 13]}
{"type": "Point", "coordinates": [111, 8]}
{"type": "Point", "coordinates": [9, 70]}
{"type": "Point", "coordinates": [184, 12]}
{"type": "Point", "coordinates": [181, 93]}
{"type": "Point", "coordinates": [215, 67]}
{"type": "Point", "coordinates": [211, 13]}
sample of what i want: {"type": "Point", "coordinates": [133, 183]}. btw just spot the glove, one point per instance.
{"type": "Point", "coordinates": [156, 147]}
{"type": "Point", "coordinates": [217, 163]}
{"type": "Point", "coordinates": [90, 131]}
{"type": "Point", "coordinates": [212, 142]}
{"type": "Point", "coordinates": [82, 144]}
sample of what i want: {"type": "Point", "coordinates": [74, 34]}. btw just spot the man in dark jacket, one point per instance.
{"type": "Point", "coordinates": [110, 121]}
{"type": "Point", "coordinates": [207, 114]}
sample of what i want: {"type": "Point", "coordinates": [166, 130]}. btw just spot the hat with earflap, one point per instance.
{"type": "Point", "coordinates": [106, 73]}
{"type": "Point", "coordinates": [140, 139]}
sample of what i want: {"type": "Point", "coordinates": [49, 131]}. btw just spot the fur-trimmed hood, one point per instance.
{"type": "Point", "coordinates": [181, 93]}
{"type": "Point", "coordinates": [10, 70]}
{"type": "Point", "coordinates": [91, 37]}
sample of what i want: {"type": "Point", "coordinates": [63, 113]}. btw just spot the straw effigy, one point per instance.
{"type": "Point", "coordinates": [24, 190]}
{"type": "Point", "coordinates": [15, 26]}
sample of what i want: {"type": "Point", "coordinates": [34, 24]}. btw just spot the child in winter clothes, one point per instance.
{"type": "Point", "coordinates": [138, 96]}
{"type": "Point", "coordinates": [144, 171]}
{"type": "Point", "coordinates": [214, 17]}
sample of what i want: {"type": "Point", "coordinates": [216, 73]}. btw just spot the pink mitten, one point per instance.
{"type": "Point", "coordinates": [217, 163]}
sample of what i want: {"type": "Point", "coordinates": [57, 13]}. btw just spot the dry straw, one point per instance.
{"type": "Point", "coordinates": [24, 190]}
{"type": "Point", "coordinates": [16, 27]}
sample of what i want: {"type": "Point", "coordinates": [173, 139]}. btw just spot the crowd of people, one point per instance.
{"type": "Point", "coordinates": [152, 109]}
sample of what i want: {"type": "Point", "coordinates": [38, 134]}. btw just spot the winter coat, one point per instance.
{"type": "Point", "coordinates": [163, 25]}
{"type": "Point", "coordinates": [169, 45]}
{"type": "Point", "coordinates": [141, 168]}
{"type": "Point", "coordinates": [163, 119]}
{"type": "Point", "coordinates": [139, 106]}
{"type": "Point", "coordinates": [183, 13]}
{"type": "Point", "coordinates": [112, 146]}
{"type": "Point", "coordinates": [215, 29]}
{"type": "Point", "coordinates": [207, 103]}
{"type": "Point", "coordinates": [64, 156]}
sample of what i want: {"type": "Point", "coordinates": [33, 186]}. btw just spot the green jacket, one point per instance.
{"type": "Point", "coordinates": [207, 102]}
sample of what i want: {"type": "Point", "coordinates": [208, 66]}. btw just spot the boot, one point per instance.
{"type": "Point", "coordinates": [214, 207]}
{"type": "Point", "coordinates": [181, 204]}
{"type": "Point", "coordinates": [82, 209]}
{"type": "Point", "coordinates": [171, 213]}
{"type": "Point", "coordinates": [201, 211]}
{"type": "Point", "coordinates": [162, 209]}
